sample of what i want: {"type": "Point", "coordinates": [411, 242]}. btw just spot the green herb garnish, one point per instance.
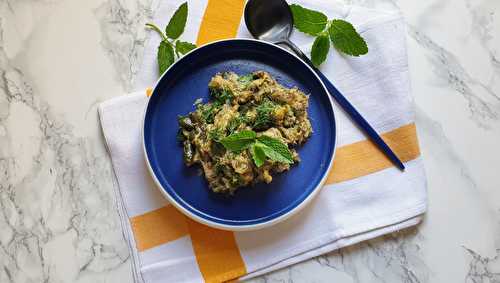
{"type": "Point", "coordinates": [216, 135]}
{"type": "Point", "coordinates": [342, 34]}
{"type": "Point", "coordinates": [177, 23]}
{"type": "Point", "coordinates": [320, 49]}
{"type": "Point", "coordinates": [184, 47]}
{"type": "Point", "coordinates": [165, 56]}
{"type": "Point", "coordinates": [246, 79]}
{"type": "Point", "coordinates": [260, 147]}
{"type": "Point", "coordinates": [308, 21]}
{"type": "Point", "coordinates": [170, 47]}
{"type": "Point", "coordinates": [264, 118]}
{"type": "Point", "coordinates": [209, 110]}
{"type": "Point", "coordinates": [221, 95]}
{"type": "Point", "coordinates": [346, 39]}
{"type": "Point", "coordinates": [258, 155]}
{"type": "Point", "coordinates": [235, 123]}
{"type": "Point", "coordinates": [239, 141]}
{"type": "Point", "coordinates": [275, 150]}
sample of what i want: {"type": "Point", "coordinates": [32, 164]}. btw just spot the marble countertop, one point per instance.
{"type": "Point", "coordinates": [58, 222]}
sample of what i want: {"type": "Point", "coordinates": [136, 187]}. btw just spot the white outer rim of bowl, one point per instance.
{"type": "Point", "coordinates": [251, 227]}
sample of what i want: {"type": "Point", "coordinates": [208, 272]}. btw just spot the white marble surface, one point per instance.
{"type": "Point", "coordinates": [58, 223]}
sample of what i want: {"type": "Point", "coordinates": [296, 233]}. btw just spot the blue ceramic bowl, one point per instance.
{"type": "Point", "coordinates": [253, 207]}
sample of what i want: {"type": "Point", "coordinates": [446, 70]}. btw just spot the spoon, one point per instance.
{"type": "Point", "coordinates": [272, 21]}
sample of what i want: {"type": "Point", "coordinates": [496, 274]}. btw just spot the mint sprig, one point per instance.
{"type": "Point", "coordinates": [342, 34]}
{"type": "Point", "coordinates": [261, 147]}
{"type": "Point", "coordinates": [307, 20]}
{"type": "Point", "coordinates": [170, 47]}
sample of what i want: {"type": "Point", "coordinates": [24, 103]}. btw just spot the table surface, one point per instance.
{"type": "Point", "coordinates": [58, 222]}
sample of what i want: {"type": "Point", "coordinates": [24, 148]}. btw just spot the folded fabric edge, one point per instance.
{"type": "Point", "coordinates": [128, 235]}
{"type": "Point", "coordinates": [379, 20]}
{"type": "Point", "coordinates": [119, 99]}
{"type": "Point", "coordinates": [340, 243]}
{"type": "Point", "coordinates": [120, 206]}
{"type": "Point", "coordinates": [329, 239]}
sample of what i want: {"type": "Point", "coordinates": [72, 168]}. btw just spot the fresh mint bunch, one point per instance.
{"type": "Point", "coordinates": [342, 34]}
{"type": "Point", "coordinates": [261, 147]}
{"type": "Point", "coordinates": [171, 47]}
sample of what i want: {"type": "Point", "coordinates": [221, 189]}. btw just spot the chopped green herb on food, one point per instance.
{"type": "Point", "coordinates": [246, 79]}
{"type": "Point", "coordinates": [236, 122]}
{"type": "Point", "coordinates": [247, 132]}
{"type": "Point", "coordinates": [216, 135]}
{"type": "Point", "coordinates": [264, 117]}
{"type": "Point", "coordinates": [221, 95]}
{"type": "Point", "coordinates": [209, 110]}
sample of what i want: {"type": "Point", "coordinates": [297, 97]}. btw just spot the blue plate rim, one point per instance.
{"type": "Point", "coordinates": [245, 227]}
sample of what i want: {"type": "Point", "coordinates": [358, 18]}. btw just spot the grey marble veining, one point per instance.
{"type": "Point", "coordinates": [58, 221]}
{"type": "Point", "coordinates": [54, 196]}
{"type": "Point", "coordinates": [57, 213]}
{"type": "Point", "coordinates": [123, 35]}
{"type": "Point", "coordinates": [484, 105]}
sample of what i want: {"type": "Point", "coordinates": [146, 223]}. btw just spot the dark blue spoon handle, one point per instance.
{"type": "Point", "coordinates": [349, 109]}
{"type": "Point", "coordinates": [360, 121]}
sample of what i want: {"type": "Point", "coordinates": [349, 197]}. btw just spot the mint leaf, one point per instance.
{"type": "Point", "coordinates": [308, 21]}
{"type": "Point", "coordinates": [275, 149]}
{"type": "Point", "coordinates": [184, 47]}
{"type": "Point", "coordinates": [346, 39]}
{"type": "Point", "coordinates": [320, 49]}
{"type": "Point", "coordinates": [165, 56]}
{"type": "Point", "coordinates": [238, 141]}
{"type": "Point", "coordinates": [258, 155]}
{"type": "Point", "coordinates": [177, 23]}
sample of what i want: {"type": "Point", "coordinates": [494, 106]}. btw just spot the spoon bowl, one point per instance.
{"type": "Point", "coordinates": [272, 21]}
{"type": "Point", "coordinates": [269, 20]}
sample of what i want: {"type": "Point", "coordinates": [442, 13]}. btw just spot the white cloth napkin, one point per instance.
{"type": "Point", "coordinates": [342, 214]}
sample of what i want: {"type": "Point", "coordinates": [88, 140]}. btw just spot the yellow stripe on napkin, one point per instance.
{"type": "Point", "coordinates": [149, 91]}
{"type": "Point", "coordinates": [220, 21]}
{"type": "Point", "coordinates": [158, 227]}
{"type": "Point", "coordinates": [363, 158]}
{"type": "Point", "coordinates": [217, 253]}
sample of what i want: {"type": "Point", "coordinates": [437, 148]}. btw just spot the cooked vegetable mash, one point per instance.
{"type": "Point", "coordinates": [247, 132]}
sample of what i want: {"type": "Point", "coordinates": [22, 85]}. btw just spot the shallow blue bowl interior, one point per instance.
{"type": "Point", "coordinates": [187, 81]}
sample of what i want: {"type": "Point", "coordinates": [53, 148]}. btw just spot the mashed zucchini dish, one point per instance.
{"type": "Point", "coordinates": [247, 132]}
